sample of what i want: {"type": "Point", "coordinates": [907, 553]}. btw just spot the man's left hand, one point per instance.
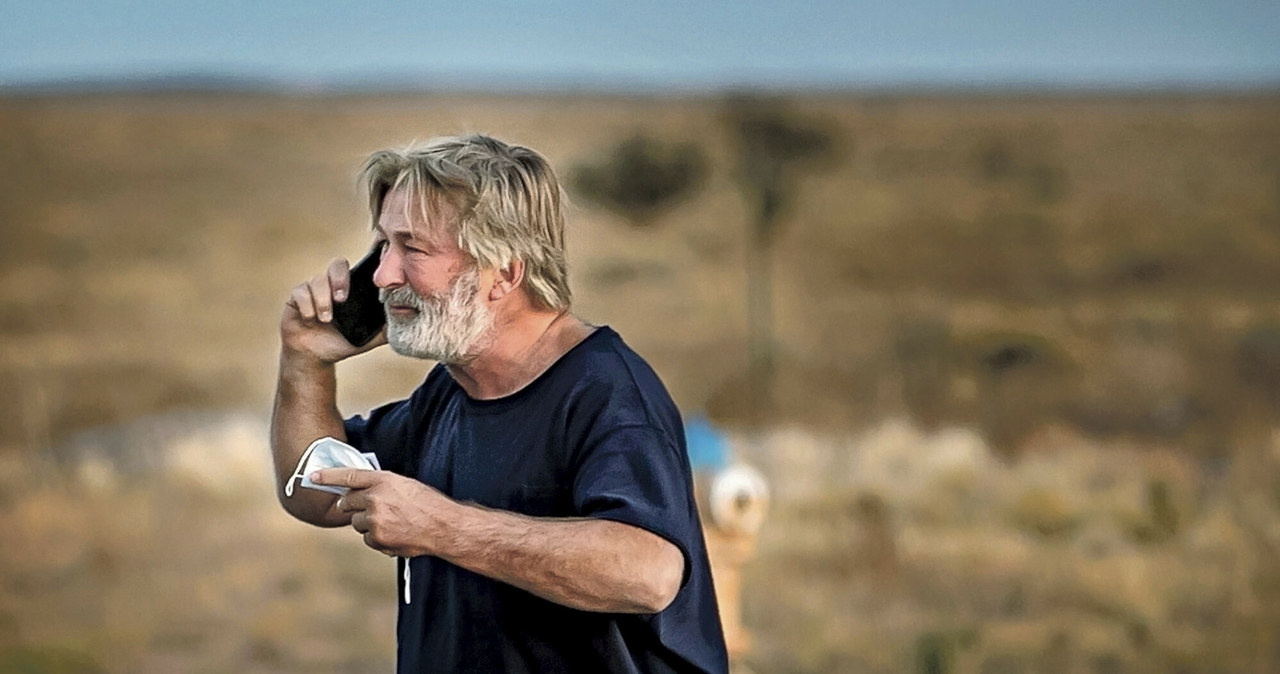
{"type": "Point", "coordinates": [396, 515]}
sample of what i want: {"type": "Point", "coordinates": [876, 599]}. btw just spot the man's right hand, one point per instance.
{"type": "Point", "coordinates": [306, 326]}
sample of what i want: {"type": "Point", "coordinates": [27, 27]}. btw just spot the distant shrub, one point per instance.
{"type": "Point", "coordinates": [934, 654]}
{"type": "Point", "coordinates": [998, 160]}
{"type": "Point", "coordinates": [47, 661]}
{"type": "Point", "coordinates": [1004, 352]}
{"type": "Point", "coordinates": [1045, 512]}
{"type": "Point", "coordinates": [993, 159]}
{"type": "Point", "coordinates": [1165, 520]}
{"type": "Point", "coordinates": [1025, 380]}
{"type": "Point", "coordinates": [1159, 520]}
{"type": "Point", "coordinates": [641, 177]}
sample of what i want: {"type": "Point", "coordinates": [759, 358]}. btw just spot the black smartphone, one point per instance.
{"type": "Point", "coordinates": [360, 317]}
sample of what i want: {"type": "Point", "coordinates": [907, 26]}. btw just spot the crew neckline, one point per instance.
{"type": "Point", "coordinates": [498, 404]}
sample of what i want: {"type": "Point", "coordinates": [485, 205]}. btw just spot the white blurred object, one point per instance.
{"type": "Point", "coordinates": [739, 499]}
{"type": "Point", "coordinates": [221, 456]}
{"type": "Point", "coordinates": [329, 452]}
{"type": "Point", "coordinates": [216, 452]}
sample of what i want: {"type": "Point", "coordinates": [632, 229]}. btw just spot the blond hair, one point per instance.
{"type": "Point", "coordinates": [507, 197]}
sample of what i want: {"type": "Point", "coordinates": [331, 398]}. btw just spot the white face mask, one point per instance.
{"type": "Point", "coordinates": [329, 453]}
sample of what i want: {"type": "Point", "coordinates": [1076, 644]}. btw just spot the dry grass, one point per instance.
{"type": "Point", "coordinates": [900, 546]}
{"type": "Point", "coordinates": [168, 575]}
{"type": "Point", "coordinates": [1088, 279]}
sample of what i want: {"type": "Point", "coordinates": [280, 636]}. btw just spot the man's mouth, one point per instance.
{"type": "Point", "coordinates": [401, 310]}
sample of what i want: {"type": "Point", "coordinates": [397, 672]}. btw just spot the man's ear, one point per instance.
{"type": "Point", "coordinates": [506, 280]}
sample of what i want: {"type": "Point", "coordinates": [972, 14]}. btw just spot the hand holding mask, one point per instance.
{"type": "Point", "coordinates": [329, 452]}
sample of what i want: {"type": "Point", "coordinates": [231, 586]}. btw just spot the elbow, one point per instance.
{"type": "Point", "coordinates": [310, 509]}
{"type": "Point", "coordinates": [294, 509]}
{"type": "Point", "coordinates": [662, 583]}
{"type": "Point", "coordinates": [661, 596]}
{"type": "Point", "coordinates": [635, 572]}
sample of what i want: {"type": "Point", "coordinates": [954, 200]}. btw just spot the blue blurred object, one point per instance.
{"type": "Point", "coordinates": [708, 447]}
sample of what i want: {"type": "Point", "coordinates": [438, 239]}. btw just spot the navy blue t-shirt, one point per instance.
{"type": "Point", "coordinates": [596, 435]}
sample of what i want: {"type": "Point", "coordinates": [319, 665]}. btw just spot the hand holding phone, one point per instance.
{"type": "Point", "coordinates": [361, 316]}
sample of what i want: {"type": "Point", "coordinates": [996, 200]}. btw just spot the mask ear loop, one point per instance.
{"type": "Point", "coordinates": [297, 472]}
{"type": "Point", "coordinates": [407, 579]}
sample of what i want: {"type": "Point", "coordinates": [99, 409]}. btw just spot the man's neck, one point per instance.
{"type": "Point", "coordinates": [523, 348]}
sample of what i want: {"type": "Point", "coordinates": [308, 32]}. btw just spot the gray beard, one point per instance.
{"type": "Point", "coordinates": [450, 327]}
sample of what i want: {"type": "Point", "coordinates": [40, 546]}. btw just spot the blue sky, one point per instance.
{"type": "Point", "coordinates": [659, 44]}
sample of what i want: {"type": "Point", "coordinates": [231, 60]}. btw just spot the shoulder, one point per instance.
{"type": "Point", "coordinates": [605, 363]}
{"type": "Point", "coordinates": [613, 386]}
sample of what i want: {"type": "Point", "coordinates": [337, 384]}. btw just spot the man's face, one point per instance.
{"type": "Point", "coordinates": [429, 287]}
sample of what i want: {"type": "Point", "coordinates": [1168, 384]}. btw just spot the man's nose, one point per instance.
{"type": "Point", "coordinates": [388, 274]}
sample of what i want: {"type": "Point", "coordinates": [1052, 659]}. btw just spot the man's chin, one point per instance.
{"type": "Point", "coordinates": [403, 350]}
{"type": "Point", "coordinates": [406, 347]}
{"type": "Point", "coordinates": [403, 345]}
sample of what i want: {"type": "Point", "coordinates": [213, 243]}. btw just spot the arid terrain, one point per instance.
{"type": "Point", "coordinates": [1023, 416]}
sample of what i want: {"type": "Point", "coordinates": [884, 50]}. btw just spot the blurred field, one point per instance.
{"type": "Point", "coordinates": [1024, 418]}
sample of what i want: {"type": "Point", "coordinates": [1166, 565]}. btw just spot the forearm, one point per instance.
{"type": "Point", "coordinates": [583, 563]}
{"type": "Point", "coordinates": [587, 564]}
{"type": "Point", "coordinates": [305, 409]}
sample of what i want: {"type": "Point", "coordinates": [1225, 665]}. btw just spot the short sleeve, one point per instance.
{"type": "Point", "coordinates": [636, 476]}
{"type": "Point", "coordinates": [382, 432]}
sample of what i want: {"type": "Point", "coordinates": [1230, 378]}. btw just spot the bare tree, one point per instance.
{"type": "Point", "coordinates": [775, 148]}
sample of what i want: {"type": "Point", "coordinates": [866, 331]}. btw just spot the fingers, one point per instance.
{"type": "Point", "coordinates": [372, 541]}
{"type": "Point", "coordinates": [300, 299]}
{"type": "Point", "coordinates": [354, 501]}
{"type": "Point", "coordinates": [362, 522]}
{"type": "Point", "coordinates": [339, 278]}
{"type": "Point", "coordinates": [346, 505]}
{"type": "Point", "coordinates": [322, 296]}
{"type": "Point", "coordinates": [351, 478]}
{"type": "Point", "coordinates": [314, 299]}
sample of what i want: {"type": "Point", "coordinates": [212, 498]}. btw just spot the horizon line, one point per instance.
{"type": "Point", "coordinates": [210, 81]}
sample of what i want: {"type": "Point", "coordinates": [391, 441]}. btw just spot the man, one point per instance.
{"type": "Point", "coordinates": [536, 491]}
